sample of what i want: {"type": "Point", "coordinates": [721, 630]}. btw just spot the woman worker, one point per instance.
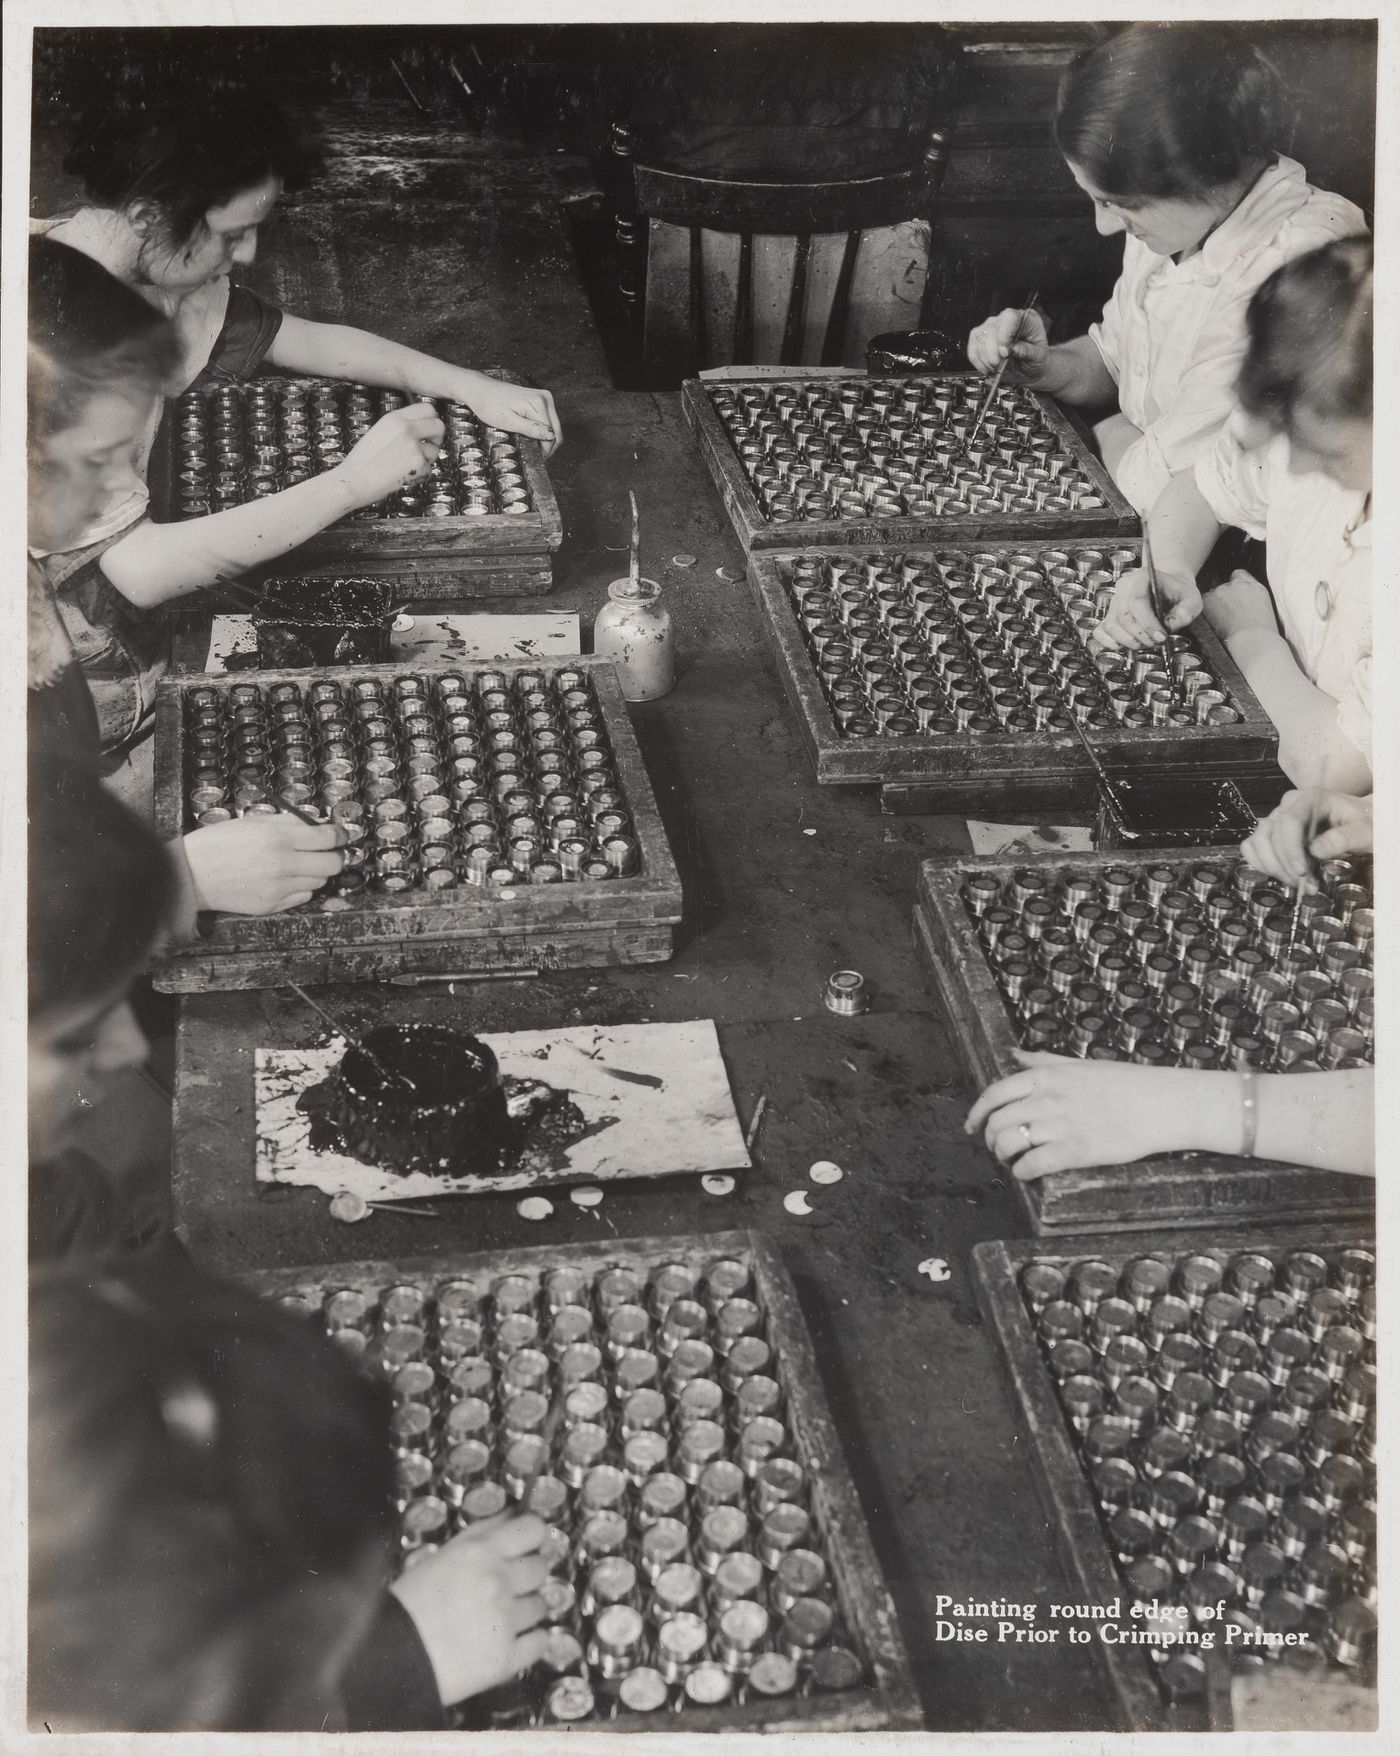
{"type": "Point", "coordinates": [1060, 1114]}
{"type": "Point", "coordinates": [211, 1489]}
{"type": "Point", "coordinates": [1171, 132]}
{"type": "Point", "coordinates": [97, 357]}
{"type": "Point", "coordinates": [1293, 467]}
{"type": "Point", "coordinates": [176, 188]}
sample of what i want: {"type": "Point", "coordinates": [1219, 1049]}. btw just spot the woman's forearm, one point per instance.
{"type": "Point", "coordinates": [1182, 528]}
{"type": "Point", "coordinates": [338, 350]}
{"type": "Point", "coordinates": [1325, 1120]}
{"type": "Point", "coordinates": [1312, 749]}
{"type": "Point", "coordinates": [158, 562]}
{"type": "Point", "coordinates": [1074, 372]}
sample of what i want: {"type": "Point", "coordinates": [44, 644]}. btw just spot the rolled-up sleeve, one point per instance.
{"type": "Point", "coordinates": [1235, 483]}
{"type": "Point", "coordinates": [1198, 412]}
{"type": "Point", "coordinates": [1354, 708]}
{"type": "Point", "coordinates": [1107, 333]}
{"type": "Point", "coordinates": [391, 1686]}
{"type": "Point", "coordinates": [249, 328]}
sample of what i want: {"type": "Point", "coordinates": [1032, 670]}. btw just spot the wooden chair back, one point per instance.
{"type": "Point", "coordinates": [654, 196]}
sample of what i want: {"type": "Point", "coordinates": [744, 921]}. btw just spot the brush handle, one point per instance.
{"type": "Point", "coordinates": [354, 1041]}
{"type": "Point", "coordinates": [634, 549]}
{"type": "Point", "coordinates": [283, 803]}
{"type": "Point", "coordinates": [1000, 372]}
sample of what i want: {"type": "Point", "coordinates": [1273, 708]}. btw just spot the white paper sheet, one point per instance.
{"type": "Point", "coordinates": [675, 1115]}
{"type": "Point", "coordinates": [435, 639]}
{"type": "Point", "coordinates": [1028, 838]}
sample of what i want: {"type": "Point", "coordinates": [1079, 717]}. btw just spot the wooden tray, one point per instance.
{"type": "Point", "coordinates": [755, 531]}
{"type": "Point", "coordinates": [496, 556]}
{"type": "Point", "coordinates": [888, 1700]}
{"type": "Point", "coordinates": [1065, 1490]}
{"type": "Point", "coordinates": [1181, 1189]}
{"type": "Point", "coordinates": [1002, 771]}
{"type": "Point", "coordinates": [576, 925]}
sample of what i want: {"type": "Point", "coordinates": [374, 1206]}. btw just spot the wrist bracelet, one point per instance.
{"type": "Point", "coordinates": [1249, 1112]}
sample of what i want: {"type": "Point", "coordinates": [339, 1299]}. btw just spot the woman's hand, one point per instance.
{"type": "Point", "coordinates": [261, 865]}
{"type": "Point", "coordinates": [515, 408]}
{"type": "Point", "coordinates": [476, 1605]}
{"type": "Point", "coordinates": [997, 340]}
{"type": "Point", "coordinates": [398, 449]}
{"type": "Point", "coordinates": [1241, 603]}
{"type": "Point", "coordinates": [1314, 824]}
{"type": "Point", "coordinates": [1060, 1114]}
{"type": "Point", "coordinates": [1130, 622]}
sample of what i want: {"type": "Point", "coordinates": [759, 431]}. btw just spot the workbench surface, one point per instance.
{"type": "Point", "coordinates": [785, 882]}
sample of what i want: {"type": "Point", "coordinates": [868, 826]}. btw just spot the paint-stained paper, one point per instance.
{"type": "Point", "coordinates": [656, 1099]}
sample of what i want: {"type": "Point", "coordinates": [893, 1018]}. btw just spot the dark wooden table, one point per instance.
{"type": "Point", "coordinates": [785, 881]}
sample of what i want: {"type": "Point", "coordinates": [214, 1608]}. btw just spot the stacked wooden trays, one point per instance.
{"type": "Point", "coordinates": [755, 530]}
{"type": "Point", "coordinates": [885, 1699]}
{"type": "Point", "coordinates": [431, 558]}
{"type": "Point", "coordinates": [1180, 1189]}
{"type": "Point", "coordinates": [583, 923]}
{"type": "Point", "coordinates": [1066, 1489]}
{"type": "Point", "coordinates": [1001, 769]}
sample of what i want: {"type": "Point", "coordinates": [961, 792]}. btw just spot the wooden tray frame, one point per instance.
{"type": "Point", "coordinates": [1065, 1491]}
{"type": "Point", "coordinates": [754, 530]}
{"type": "Point", "coordinates": [1175, 1190]}
{"type": "Point", "coordinates": [890, 1701]}
{"type": "Point", "coordinates": [585, 924]}
{"type": "Point", "coordinates": [1001, 771]}
{"type": "Point", "coordinates": [434, 558]}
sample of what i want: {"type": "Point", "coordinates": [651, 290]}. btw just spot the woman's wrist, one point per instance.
{"type": "Point", "coordinates": [1208, 1113]}
{"type": "Point", "coordinates": [468, 384]}
{"type": "Point", "coordinates": [1050, 378]}
{"type": "Point", "coordinates": [1249, 646]}
{"type": "Point", "coordinates": [337, 494]}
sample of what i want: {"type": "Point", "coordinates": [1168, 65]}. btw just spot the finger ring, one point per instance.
{"type": "Point", "coordinates": [1026, 1130]}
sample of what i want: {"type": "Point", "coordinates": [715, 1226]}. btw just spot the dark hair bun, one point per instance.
{"type": "Point", "coordinates": [184, 145]}
{"type": "Point", "coordinates": [1170, 111]}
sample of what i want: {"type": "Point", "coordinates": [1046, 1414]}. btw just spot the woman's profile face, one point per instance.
{"type": "Point", "coordinates": [1338, 446]}
{"type": "Point", "coordinates": [1166, 225]}
{"type": "Point", "coordinates": [75, 1054]}
{"type": "Point", "coordinates": [225, 238]}
{"type": "Point", "coordinates": [82, 468]}
{"type": "Point", "coordinates": [1335, 446]}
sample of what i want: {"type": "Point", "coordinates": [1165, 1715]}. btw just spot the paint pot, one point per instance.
{"type": "Point", "coordinates": [441, 1106]}
{"type": "Point", "coordinates": [634, 631]}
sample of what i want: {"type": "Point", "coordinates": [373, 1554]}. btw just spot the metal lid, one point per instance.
{"type": "Point", "coordinates": [744, 1625]}
{"type": "Point", "coordinates": [773, 1673]}
{"type": "Point", "coordinates": [708, 1685]}
{"type": "Point", "coordinates": [569, 1699]}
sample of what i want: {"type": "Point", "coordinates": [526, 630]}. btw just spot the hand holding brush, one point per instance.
{"type": "Point", "coordinates": [1011, 346]}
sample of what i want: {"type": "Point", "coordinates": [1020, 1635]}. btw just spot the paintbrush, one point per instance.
{"type": "Point", "coordinates": [414, 979]}
{"type": "Point", "coordinates": [634, 550]}
{"type": "Point", "coordinates": [1154, 597]}
{"type": "Point", "coordinates": [242, 595]}
{"type": "Point", "coordinates": [1114, 798]}
{"type": "Point", "coordinates": [350, 1037]}
{"type": "Point", "coordinates": [285, 804]}
{"type": "Point", "coordinates": [1000, 372]}
{"type": "Point", "coordinates": [1301, 886]}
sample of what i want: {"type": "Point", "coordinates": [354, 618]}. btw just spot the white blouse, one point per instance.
{"type": "Point", "coordinates": [1319, 556]}
{"type": "Point", "coordinates": [197, 316]}
{"type": "Point", "coordinates": [1173, 333]}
